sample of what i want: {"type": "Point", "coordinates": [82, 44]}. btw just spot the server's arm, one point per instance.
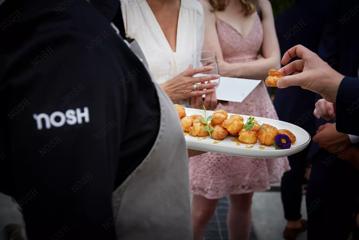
{"type": "Point", "coordinates": [61, 145]}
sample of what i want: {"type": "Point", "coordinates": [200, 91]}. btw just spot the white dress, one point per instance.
{"type": "Point", "coordinates": [142, 25]}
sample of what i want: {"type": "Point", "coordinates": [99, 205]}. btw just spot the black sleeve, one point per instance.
{"type": "Point", "coordinates": [347, 106]}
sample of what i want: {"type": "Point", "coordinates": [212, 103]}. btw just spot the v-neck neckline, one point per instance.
{"type": "Point", "coordinates": [235, 29]}
{"type": "Point", "coordinates": [159, 29]}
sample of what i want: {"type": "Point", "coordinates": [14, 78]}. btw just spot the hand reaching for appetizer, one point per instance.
{"type": "Point", "coordinates": [309, 72]}
{"type": "Point", "coordinates": [331, 140]}
{"type": "Point", "coordinates": [324, 109]}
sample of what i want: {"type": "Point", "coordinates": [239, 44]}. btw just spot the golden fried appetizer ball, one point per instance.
{"type": "Point", "coordinates": [247, 137]}
{"type": "Point", "coordinates": [233, 125]}
{"type": "Point", "coordinates": [198, 129]}
{"type": "Point", "coordinates": [180, 111]}
{"type": "Point", "coordinates": [291, 135]}
{"type": "Point", "coordinates": [218, 117]}
{"type": "Point", "coordinates": [273, 77]}
{"type": "Point", "coordinates": [266, 134]}
{"type": "Point", "coordinates": [196, 117]}
{"type": "Point", "coordinates": [237, 117]}
{"type": "Point", "coordinates": [219, 133]}
{"type": "Point", "coordinates": [186, 123]}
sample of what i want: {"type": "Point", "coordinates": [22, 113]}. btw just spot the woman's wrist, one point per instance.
{"type": "Point", "coordinates": [223, 68]}
{"type": "Point", "coordinates": [226, 69]}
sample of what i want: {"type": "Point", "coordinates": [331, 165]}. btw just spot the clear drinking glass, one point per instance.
{"type": "Point", "coordinates": [208, 58]}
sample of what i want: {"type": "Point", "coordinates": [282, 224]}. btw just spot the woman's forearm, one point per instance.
{"type": "Point", "coordinates": [257, 69]}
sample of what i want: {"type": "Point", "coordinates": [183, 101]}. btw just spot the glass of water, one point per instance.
{"type": "Point", "coordinates": [207, 58]}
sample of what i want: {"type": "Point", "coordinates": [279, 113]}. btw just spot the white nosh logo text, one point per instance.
{"type": "Point", "coordinates": [58, 119]}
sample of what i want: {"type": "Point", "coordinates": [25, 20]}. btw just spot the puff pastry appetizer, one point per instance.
{"type": "Point", "coordinates": [219, 133]}
{"type": "Point", "coordinates": [247, 136]}
{"type": "Point", "coordinates": [267, 134]}
{"type": "Point", "coordinates": [273, 77]}
{"type": "Point", "coordinates": [218, 117]}
{"type": "Point", "coordinates": [198, 129]}
{"type": "Point", "coordinates": [233, 125]}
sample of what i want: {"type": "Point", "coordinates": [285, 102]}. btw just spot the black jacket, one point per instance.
{"type": "Point", "coordinates": [78, 113]}
{"type": "Point", "coordinates": [347, 106]}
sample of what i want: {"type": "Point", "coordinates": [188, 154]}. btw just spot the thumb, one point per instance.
{"type": "Point", "coordinates": [291, 80]}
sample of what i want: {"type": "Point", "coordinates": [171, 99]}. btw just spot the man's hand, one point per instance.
{"type": "Point", "coordinates": [324, 109]}
{"type": "Point", "coordinates": [309, 72]}
{"type": "Point", "coordinates": [351, 155]}
{"type": "Point", "coordinates": [331, 140]}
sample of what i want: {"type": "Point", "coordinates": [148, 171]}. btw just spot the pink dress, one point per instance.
{"type": "Point", "coordinates": [215, 175]}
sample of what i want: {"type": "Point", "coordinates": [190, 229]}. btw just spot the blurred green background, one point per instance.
{"type": "Point", "coordinates": [281, 5]}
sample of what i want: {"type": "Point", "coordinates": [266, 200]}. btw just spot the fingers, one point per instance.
{"type": "Point", "coordinates": [213, 100]}
{"type": "Point", "coordinates": [292, 80]}
{"type": "Point", "coordinates": [297, 51]}
{"type": "Point", "coordinates": [189, 72]}
{"type": "Point", "coordinates": [324, 109]}
{"type": "Point", "coordinates": [316, 113]}
{"type": "Point", "coordinates": [203, 79]}
{"type": "Point", "coordinates": [321, 128]}
{"type": "Point", "coordinates": [196, 102]}
{"type": "Point", "coordinates": [213, 103]}
{"type": "Point", "coordinates": [293, 67]}
{"type": "Point", "coordinates": [201, 92]}
{"type": "Point", "coordinates": [205, 86]}
{"type": "Point", "coordinates": [316, 138]}
{"type": "Point", "coordinates": [210, 101]}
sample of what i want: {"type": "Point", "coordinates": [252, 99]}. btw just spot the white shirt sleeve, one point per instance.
{"type": "Point", "coordinates": [353, 139]}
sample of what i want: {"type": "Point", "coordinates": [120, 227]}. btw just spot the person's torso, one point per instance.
{"type": "Point", "coordinates": [163, 62]}
{"type": "Point", "coordinates": [60, 121]}
{"type": "Point", "coordinates": [237, 47]}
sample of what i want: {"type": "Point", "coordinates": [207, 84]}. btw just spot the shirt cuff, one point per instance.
{"type": "Point", "coordinates": [353, 139]}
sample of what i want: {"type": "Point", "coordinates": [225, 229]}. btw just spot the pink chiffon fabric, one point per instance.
{"type": "Point", "coordinates": [214, 175]}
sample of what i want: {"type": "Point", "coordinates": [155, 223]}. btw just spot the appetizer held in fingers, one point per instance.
{"type": "Point", "coordinates": [273, 77]}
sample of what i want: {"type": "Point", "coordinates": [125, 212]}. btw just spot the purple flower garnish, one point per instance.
{"type": "Point", "coordinates": [282, 141]}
